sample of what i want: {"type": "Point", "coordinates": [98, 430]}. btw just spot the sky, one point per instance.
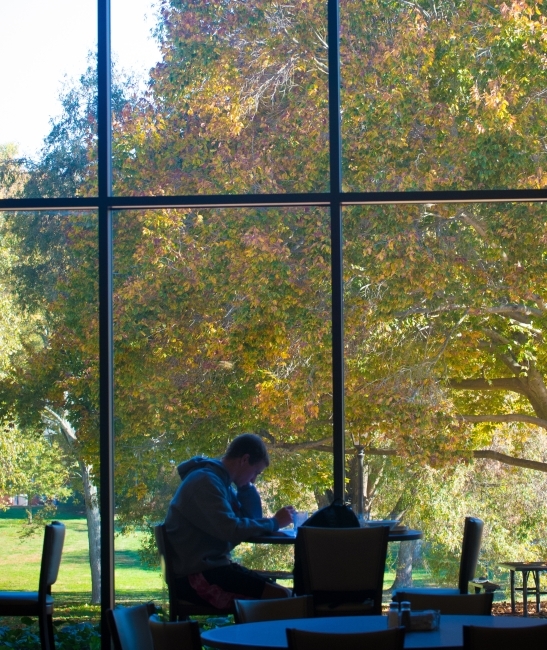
{"type": "Point", "coordinates": [44, 43]}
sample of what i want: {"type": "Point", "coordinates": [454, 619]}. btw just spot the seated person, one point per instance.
{"type": "Point", "coordinates": [206, 519]}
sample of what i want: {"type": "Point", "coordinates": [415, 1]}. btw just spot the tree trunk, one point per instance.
{"type": "Point", "coordinates": [323, 498]}
{"type": "Point", "coordinates": [93, 531]}
{"type": "Point", "coordinates": [403, 576]}
{"type": "Point", "coordinates": [91, 502]}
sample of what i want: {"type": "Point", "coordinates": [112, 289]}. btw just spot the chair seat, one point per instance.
{"type": "Point", "coordinates": [22, 603]}
{"type": "Point", "coordinates": [346, 609]}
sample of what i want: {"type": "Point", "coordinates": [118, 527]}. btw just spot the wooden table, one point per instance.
{"type": "Point", "coordinates": [271, 635]}
{"type": "Point", "coordinates": [526, 568]}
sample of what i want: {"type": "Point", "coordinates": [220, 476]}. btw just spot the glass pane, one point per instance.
{"type": "Point", "coordinates": [442, 98]}
{"type": "Point", "coordinates": [49, 376]}
{"type": "Point", "coordinates": [222, 326]}
{"type": "Point", "coordinates": [445, 371]}
{"type": "Point", "coordinates": [48, 73]}
{"type": "Point", "coordinates": [135, 48]}
{"type": "Point", "coordinates": [237, 104]}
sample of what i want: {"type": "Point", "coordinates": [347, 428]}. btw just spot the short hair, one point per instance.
{"type": "Point", "coordinates": [248, 443]}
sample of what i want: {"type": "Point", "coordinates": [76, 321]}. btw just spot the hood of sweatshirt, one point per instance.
{"type": "Point", "coordinates": [200, 462]}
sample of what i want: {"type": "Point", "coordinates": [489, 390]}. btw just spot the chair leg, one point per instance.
{"type": "Point", "coordinates": [46, 632]}
{"type": "Point", "coordinates": [50, 632]}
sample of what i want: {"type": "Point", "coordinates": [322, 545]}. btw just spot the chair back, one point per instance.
{"type": "Point", "coordinates": [471, 546]}
{"type": "Point", "coordinates": [392, 639]}
{"type": "Point", "coordinates": [175, 635]}
{"type": "Point", "coordinates": [162, 544]}
{"type": "Point", "coordinates": [477, 604]}
{"type": "Point", "coordinates": [273, 609]}
{"type": "Point", "coordinates": [130, 628]}
{"type": "Point", "coordinates": [504, 638]}
{"type": "Point", "coordinates": [52, 551]}
{"type": "Point", "coordinates": [164, 550]}
{"type": "Point", "coordinates": [343, 566]}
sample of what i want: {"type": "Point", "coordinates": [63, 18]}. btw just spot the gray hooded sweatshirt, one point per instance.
{"type": "Point", "coordinates": [206, 519]}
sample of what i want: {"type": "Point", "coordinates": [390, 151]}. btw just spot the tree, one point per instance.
{"type": "Point", "coordinates": [32, 464]}
{"type": "Point", "coordinates": [222, 318]}
{"type": "Point", "coordinates": [53, 275]}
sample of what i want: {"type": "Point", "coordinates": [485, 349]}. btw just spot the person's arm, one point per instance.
{"type": "Point", "coordinates": [207, 506]}
{"type": "Point", "coordinates": [249, 499]}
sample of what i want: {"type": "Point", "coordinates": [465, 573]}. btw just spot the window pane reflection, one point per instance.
{"type": "Point", "coordinates": [442, 98]}
{"type": "Point", "coordinates": [222, 325]}
{"type": "Point", "coordinates": [49, 376]}
{"type": "Point", "coordinates": [238, 103]}
{"type": "Point", "coordinates": [48, 76]}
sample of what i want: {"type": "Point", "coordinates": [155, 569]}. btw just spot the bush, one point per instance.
{"type": "Point", "coordinates": [79, 636]}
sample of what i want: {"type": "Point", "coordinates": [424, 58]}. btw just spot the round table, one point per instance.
{"type": "Point", "coordinates": [271, 635]}
{"type": "Point", "coordinates": [289, 537]}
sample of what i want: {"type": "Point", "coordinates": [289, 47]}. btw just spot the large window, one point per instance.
{"type": "Point", "coordinates": [302, 223]}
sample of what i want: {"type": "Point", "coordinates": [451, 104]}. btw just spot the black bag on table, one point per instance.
{"type": "Point", "coordinates": [335, 515]}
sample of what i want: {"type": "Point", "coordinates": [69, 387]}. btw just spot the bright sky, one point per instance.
{"type": "Point", "coordinates": [43, 42]}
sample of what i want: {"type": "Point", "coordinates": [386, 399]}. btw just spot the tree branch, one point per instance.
{"type": "Point", "coordinates": [508, 417]}
{"type": "Point", "coordinates": [501, 383]}
{"type": "Point", "coordinates": [318, 445]}
{"type": "Point", "coordinates": [477, 453]}
{"type": "Point", "coordinates": [64, 425]}
{"type": "Point", "coordinates": [489, 454]}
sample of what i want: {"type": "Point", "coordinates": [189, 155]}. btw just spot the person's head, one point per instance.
{"type": "Point", "coordinates": [246, 457]}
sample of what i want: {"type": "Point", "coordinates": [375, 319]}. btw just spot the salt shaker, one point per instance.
{"type": "Point", "coordinates": [405, 614]}
{"type": "Point", "coordinates": [393, 614]}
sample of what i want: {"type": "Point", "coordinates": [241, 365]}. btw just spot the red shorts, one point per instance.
{"type": "Point", "coordinates": [220, 586]}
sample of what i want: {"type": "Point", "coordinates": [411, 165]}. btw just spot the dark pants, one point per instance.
{"type": "Point", "coordinates": [220, 586]}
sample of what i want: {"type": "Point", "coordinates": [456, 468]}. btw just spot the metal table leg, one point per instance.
{"type": "Point", "coordinates": [536, 581]}
{"type": "Point", "coordinates": [525, 592]}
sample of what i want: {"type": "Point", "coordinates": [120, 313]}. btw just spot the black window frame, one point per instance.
{"type": "Point", "coordinates": [335, 199]}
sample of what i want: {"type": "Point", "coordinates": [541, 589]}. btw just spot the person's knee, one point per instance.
{"type": "Point", "coordinates": [273, 590]}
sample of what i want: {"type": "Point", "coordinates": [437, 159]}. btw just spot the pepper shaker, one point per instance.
{"type": "Point", "coordinates": [405, 615]}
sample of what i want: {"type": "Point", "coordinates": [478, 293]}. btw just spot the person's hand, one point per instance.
{"type": "Point", "coordinates": [284, 516]}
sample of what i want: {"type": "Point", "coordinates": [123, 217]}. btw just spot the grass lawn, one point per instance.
{"type": "Point", "coordinates": [20, 564]}
{"type": "Point", "coordinates": [20, 567]}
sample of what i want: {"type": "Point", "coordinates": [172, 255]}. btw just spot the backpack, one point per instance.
{"type": "Point", "coordinates": [335, 515]}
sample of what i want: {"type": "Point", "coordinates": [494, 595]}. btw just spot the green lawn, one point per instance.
{"type": "Point", "coordinates": [20, 562]}
{"type": "Point", "coordinates": [20, 566]}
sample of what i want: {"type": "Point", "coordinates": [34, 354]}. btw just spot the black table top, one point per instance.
{"type": "Point", "coordinates": [288, 536]}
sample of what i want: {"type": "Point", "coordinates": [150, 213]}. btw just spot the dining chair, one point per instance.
{"type": "Point", "coordinates": [139, 628]}
{"type": "Point", "coordinates": [179, 610]}
{"type": "Point", "coordinates": [129, 627]}
{"type": "Point", "coordinates": [471, 546]}
{"type": "Point", "coordinates": [40, 603]}
{"type": "Point", "coordinates": [476, 637]}
{"type": "Point", "coordinates": [478, 604]}
{"type": "Point", "coordinates": [179, 635]}
{"type": "Point", "coordinates": [392, 639]}
{"type": "Point", "coordinates": [342, 568]}
{"type": "Point", "coordinates": [273, 609]}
